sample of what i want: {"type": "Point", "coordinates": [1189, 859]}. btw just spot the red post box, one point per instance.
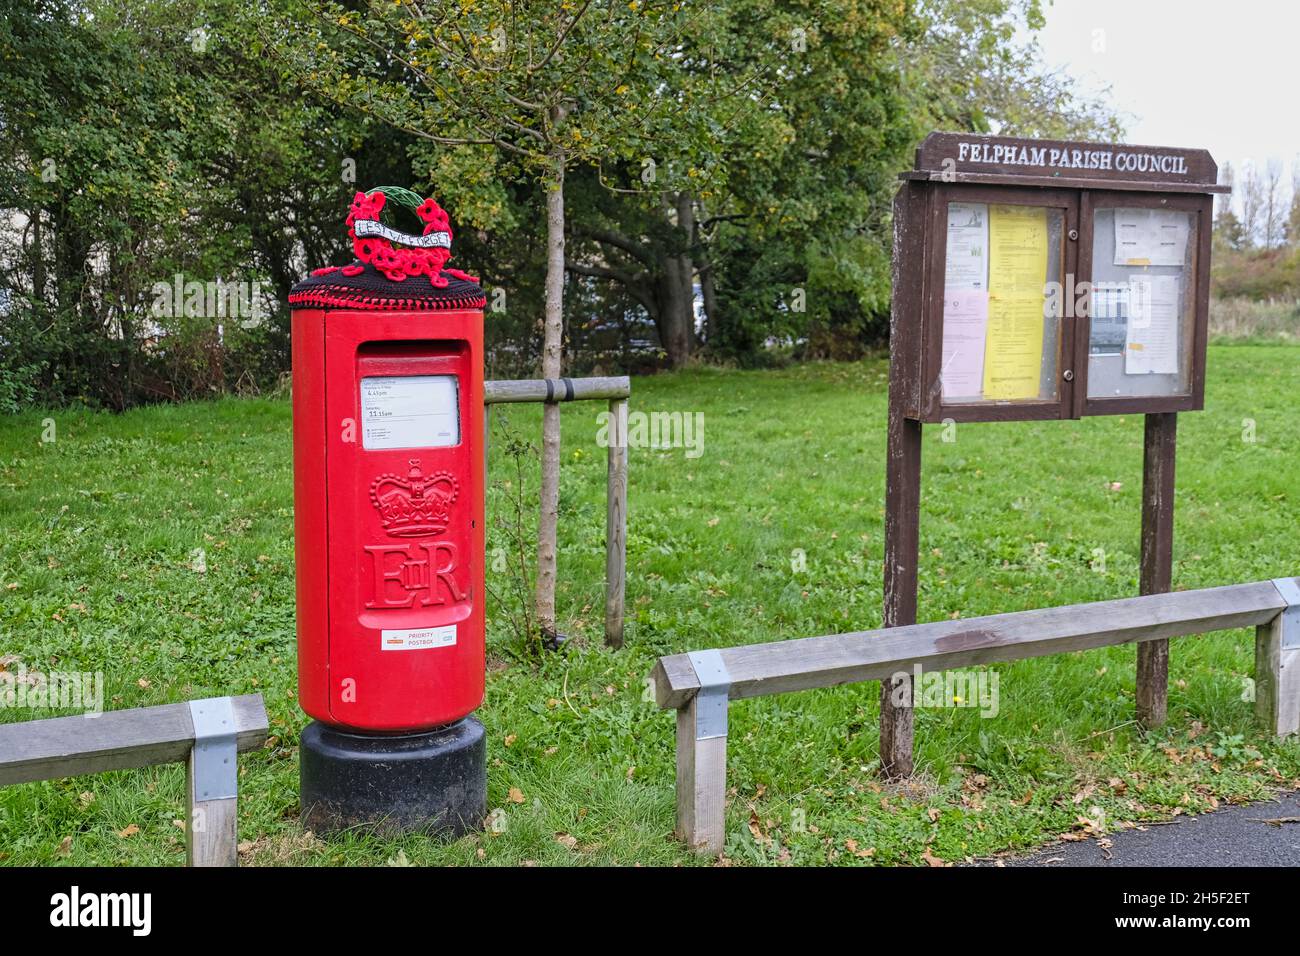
{"type": "Point", "coordinates": [388, 520]}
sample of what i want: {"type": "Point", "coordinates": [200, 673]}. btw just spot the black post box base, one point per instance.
{"type": "Point", "coordinates": [434, 781]}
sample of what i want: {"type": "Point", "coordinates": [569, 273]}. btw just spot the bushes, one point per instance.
{"type": "Point", "coordinates": [1256, 273]}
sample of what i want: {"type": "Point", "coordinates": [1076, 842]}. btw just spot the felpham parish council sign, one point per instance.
{"type": "Point", "coordinates": [966, 157]}
{"type": "Point", "coordinates": [1064, 157]}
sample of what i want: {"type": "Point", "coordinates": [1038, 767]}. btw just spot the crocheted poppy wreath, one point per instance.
{"type": "Point", "coordinates": [410, 276]}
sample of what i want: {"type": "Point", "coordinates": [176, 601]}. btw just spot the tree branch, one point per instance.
{"type": "Point", "coordinates": [620, 241]}
{"type": "Point", "coordinates": [560, 40]}
{"type": "Point", "coordinates": [625, 279]}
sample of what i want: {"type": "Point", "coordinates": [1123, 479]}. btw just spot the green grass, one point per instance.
{"type": "Point", "coordinates": [97, 572]}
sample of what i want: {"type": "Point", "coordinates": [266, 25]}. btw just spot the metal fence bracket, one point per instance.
{"type": "Point", "coordinates": [711, 701]}
{"type": "Point", "coordinates": [1290, 592]}
{"type": "Point", "coordinates": [216, 770]}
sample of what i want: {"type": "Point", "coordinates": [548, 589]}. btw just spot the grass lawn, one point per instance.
{"type": "Point", "coordinates": [156, 546]}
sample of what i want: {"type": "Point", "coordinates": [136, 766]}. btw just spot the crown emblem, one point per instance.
{"type": "Point", "coordinates": [416, 505]}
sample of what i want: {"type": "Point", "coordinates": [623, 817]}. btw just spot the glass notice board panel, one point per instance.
{"type": "Point", "coordinates": [1002, 288]}
{"type": "Point", "coordinates": [1142, 309]}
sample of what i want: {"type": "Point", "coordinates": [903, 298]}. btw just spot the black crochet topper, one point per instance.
{"type": "Point", "coordinates": [413, 276]}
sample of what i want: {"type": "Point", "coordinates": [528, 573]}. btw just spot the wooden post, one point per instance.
{"type": "Point", "coordinates": [616, 524]}
{"type": "Point", "coordinates": [1157, 559]}
{"type": "Point", "coordinates": [487, 437]}
{"type": "Point", "coordinates": [1277, 667]}
{"type": "Point", "coordinates": [212, 784]}
{"type": "Point", "coordinates": [701, 783]}
{"type": "Point", "coordinates": [211, 837]}
{"type": "Point", "coordinates": [902, 539]}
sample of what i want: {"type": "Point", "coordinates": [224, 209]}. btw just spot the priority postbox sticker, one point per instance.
{"type": "Point", "coordinates": [418, 639]}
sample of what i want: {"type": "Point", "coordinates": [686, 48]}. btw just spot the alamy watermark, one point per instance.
{"type": "Point", "coordinates": [1131, 299]}
{"type": "Point", "coordinates": [76, 908]}
{"type": "Point", "coordinates": [21, 689]}
{"type": "Point", "coordinates": [212, 299]}
{"type": "Point", "coordinates": [939, 689]}
{"type": "Point", "coordinates": [659, 431]}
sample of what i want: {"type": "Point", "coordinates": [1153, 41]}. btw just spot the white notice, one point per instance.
{"type": "Point", "coordinates": [409, 411]}
{"type": "Point", "coordinates": [1151, 345]}
{"type": "Point", "coordinates": [1150, 237]}
{"type": "Point", "coordinates": [965, 300]}
{"type": "Point", "coordinates": [418, 639]}
{"type": "Point", "coordinates": [966, 265]}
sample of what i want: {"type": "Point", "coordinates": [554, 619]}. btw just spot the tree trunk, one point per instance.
{"type": "Point", "coordinates": [677, 289]}
{"type": "Point", "coordinates": [686, 275]}
{"type": "Point", "coordinates": [551, 367]}
{"type": "Point", "coordinates": [708, 290]}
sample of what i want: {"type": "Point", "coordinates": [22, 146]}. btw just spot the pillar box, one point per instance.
{"type": "Point", "coordinates": [388, 524]}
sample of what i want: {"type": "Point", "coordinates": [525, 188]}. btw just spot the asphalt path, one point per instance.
{"type": "Point", "coordinates": [1257, 834]}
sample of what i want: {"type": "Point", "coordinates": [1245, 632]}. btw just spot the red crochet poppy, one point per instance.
{"type": "Point", "coordinates": [397, 264]}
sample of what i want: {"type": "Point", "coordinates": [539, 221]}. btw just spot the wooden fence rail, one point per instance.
{"type": "Point", "coordinates": [204, 734]}
{"type": "Point", "coordinates": [616, 391]}
{"type": "Point", "coordinates": [699, 685]}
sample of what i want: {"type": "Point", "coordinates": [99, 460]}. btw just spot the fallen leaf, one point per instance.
{"type": "Point", "coordinates": [516, 795]}
{"type": "Point", "coordinates": [566, 840]}
{"type": "Point", "coordinates": [933, 814]}
{"type": "Point", "coordinates": [931, 859]}
{"type": "Point", "coordinates": [65, 846]}
{"type": "Point", "coordinates": [130, 831]}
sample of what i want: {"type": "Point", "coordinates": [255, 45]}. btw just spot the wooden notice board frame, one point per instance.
{"type": "Point", "coordinates": [1079, 179]}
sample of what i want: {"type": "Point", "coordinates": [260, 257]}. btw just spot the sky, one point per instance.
{"type": "Point", "coordinates": [1223, 76]}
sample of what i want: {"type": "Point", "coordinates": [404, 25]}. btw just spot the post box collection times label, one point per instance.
{"type": "Point", "coordinates": [418, 639]}
{"type": "Point", "coordinates": [409, 411]}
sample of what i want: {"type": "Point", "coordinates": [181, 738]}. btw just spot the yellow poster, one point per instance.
{"type": "Point", "coordinates": [1013, 349]}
